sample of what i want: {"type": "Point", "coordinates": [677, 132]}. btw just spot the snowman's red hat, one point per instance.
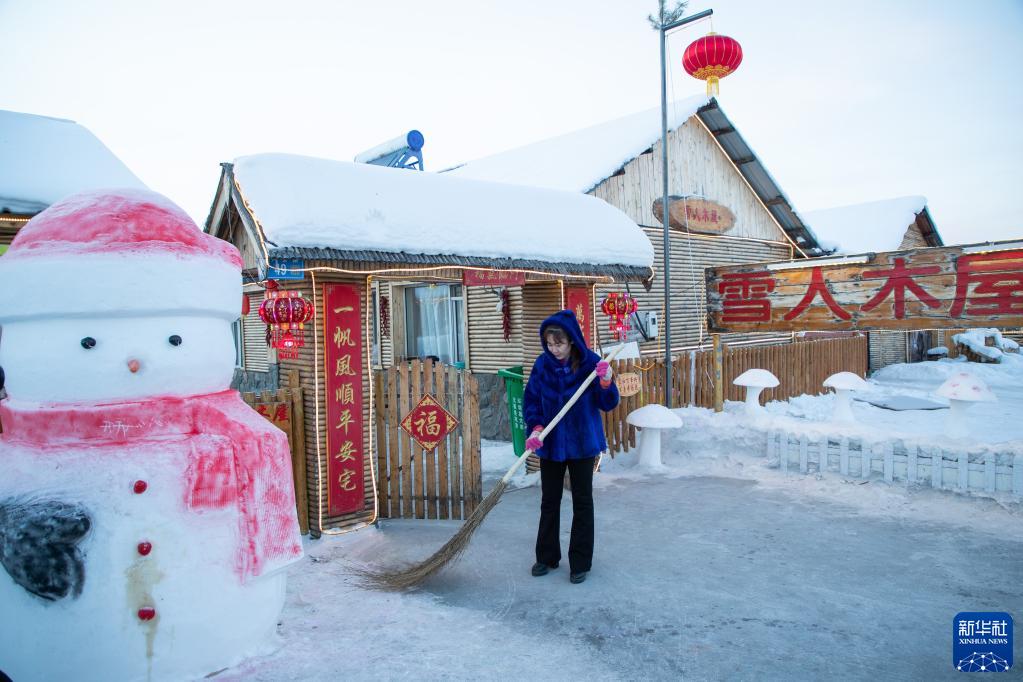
{"type": "Point", "coordinates": [122, 251]}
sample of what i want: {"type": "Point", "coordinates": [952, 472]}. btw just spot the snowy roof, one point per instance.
{"type": "Point", "coordinates": [304, 202]}
{"type": "Point", "coordinates": [581, 160]}
{"type": "Point", "coordinates": [44, 159]}
{"type": "Point", "coordinates": [865, 228]}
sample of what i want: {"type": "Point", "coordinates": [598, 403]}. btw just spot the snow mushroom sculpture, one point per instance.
{"type": "Point", "coordinates": [962, 389]}
{"type": "Point", "coordinates": [652, 419]}
{"type": "Point", "coordinates": [146, 513]}
{"type": "Point", "coordinates": [844, 383]}
{"type": "Point", "coordinates": [755, 381]}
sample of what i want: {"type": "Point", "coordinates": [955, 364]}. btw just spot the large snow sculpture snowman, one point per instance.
{"type": "Point", "coordinates": [146, 513]}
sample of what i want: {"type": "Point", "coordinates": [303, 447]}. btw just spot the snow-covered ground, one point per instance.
{"type": "Point", "coordinates": [721, 567]}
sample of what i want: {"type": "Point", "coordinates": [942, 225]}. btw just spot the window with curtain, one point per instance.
{"type": "Point", "coordinates": [433, 322]}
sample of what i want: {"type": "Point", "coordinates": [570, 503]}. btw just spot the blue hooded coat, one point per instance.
{"type": "Point", "coordinates": [580, 433]}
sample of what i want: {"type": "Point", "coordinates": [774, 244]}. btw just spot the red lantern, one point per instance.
{"type": "Point", "coordinates": [711, 58]}
{"type": "Point", "coordinates": [285, 313]}
{"type": "Point", "coordinates": [618, 307]}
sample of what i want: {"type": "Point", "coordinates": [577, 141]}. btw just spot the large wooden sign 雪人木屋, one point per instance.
{"type": "Point", "coordinates": [964, 286]}
{"type": "Point", "coordinates": [696, 215]}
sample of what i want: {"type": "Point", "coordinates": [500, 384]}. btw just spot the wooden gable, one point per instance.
{"type": "Point", "coordinates": [697, 165]}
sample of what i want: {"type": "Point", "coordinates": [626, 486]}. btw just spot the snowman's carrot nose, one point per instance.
{"type": "Point", "coordinates": [133, 365]}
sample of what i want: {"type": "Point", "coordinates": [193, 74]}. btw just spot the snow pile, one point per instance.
{"type": "Point", "coordinates": [44, 159]}
{"type": "Point", "coordinates": [578, 161]}
{"type": "Point", "coordinates": [863, 228]}
{"type": "Point", "coordinates": [302, 201]}
{"type": "Point", "coordinates": [976, 341]}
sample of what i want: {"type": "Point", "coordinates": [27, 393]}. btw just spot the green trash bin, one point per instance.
{"type": "Point", "coordinates": [514, 385]}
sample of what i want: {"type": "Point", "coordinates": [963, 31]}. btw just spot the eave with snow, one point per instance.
{"type": "Point", "coordinates": [279, 206]}
{"type": "Point", "coordinates": [44, 159]}
{"type": "Point", "coordinates": [619, 161]}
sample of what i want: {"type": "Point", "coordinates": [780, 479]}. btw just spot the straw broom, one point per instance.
{"type": "Point", "coordinates": [415, 574]}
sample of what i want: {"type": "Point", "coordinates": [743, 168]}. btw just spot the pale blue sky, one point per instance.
{"type": "Point", "coordinates": [844, 102]}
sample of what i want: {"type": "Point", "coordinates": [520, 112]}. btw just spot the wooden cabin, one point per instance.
{"type": "Point", "coordinates": [874, 227]}
{"type": "Point", "coordinates": [44, 159]}
{"type": "Point", "coordinates": [725, 207]}
{"type": "Point", "coordinates": [418, 280]}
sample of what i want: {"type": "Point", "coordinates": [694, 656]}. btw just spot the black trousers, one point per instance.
{"type": "Point", "coordinates": [548, 545]}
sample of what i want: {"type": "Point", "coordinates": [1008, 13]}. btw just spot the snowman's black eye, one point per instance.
{"type": "Point", "coordinates": [88, 343]}
{"type": "Point", "coordinates": [175, 340]}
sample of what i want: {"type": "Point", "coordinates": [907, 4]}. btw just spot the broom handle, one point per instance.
{"type": "Point", "coordinates": [557, 418]}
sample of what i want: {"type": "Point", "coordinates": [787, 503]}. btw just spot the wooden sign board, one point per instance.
{"type": "Point", "coordinates": [932, 288]}
{"type": "Point", "coordinates": [629, 384]}
{"type": "Point", "coordinates": [696, 215]}
{"type": "Point", "coordinates": [493, 278]}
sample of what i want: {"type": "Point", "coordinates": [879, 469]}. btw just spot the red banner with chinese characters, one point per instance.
{"type": "Point", "coordinates": [577, 299]}
{"type": "Point", "coordinates": [343, 369]}
{"type": "Point", "coordinates": [493, 278]}
{"type": "Point", "coordinates": [934, 288]}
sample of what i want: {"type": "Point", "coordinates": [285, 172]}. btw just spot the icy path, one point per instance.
{"type": "Point", "coordinates": [700, 578]}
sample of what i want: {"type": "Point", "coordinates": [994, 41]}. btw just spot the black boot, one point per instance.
{"type": "Point", "coordinates": [540, 568]}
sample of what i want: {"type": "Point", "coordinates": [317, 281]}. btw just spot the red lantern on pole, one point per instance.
{"type": "Point", "coordinates": [711, 58]}
{"type": "Point", "coordinates": [285, 313]}
{"type": "Point", "coordinates": [618, 307]}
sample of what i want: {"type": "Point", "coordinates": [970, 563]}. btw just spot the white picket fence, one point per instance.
{"type": "Point", "coordinates": [913, 462]}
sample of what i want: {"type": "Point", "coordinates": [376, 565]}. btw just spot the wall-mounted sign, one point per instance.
{"type": "Point", "coordinates": [493, 278]}
{"type": "Point", "coordinates": [702, 215]}
{"type": "Point", "coordinates": [285, 268]}
{"type": "Point", "coordinates": [577, 299]}
{"type": "Point", "coordinates": [343, 370]}
{"type": "Point", "coordinates": [931, 288]}
{"type": "Point", "coordinates": [428, 422]}
{"type": "Point", "coordinates": [629, 383]}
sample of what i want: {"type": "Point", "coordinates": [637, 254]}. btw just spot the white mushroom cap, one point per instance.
{"type": "Point", "coordinates": [965, 386]}
{"type": "Point", "coordinates": [654, 416]}
{"type": "Point", "coordinates": [757, 378]}
{"type": "Point", "coordinates": [846, 381]}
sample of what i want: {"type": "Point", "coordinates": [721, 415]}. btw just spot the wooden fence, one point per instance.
{"type": "Point", "coordinates": [800, 368]}
{"type": "Point", "coordinates": [914, 462]}
{"type": "Point", "coordinates": [284, 409]}
{"type": "Point", "coordinates": [444, 483]}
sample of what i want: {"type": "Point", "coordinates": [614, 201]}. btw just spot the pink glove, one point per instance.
{"type": "Point", "coordinates": [604, 371]}
{"type": "Point", "coordinates": [535, 442]}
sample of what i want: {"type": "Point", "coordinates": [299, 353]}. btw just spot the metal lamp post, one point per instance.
{"type": "Point", "coordinates": [663, 30]}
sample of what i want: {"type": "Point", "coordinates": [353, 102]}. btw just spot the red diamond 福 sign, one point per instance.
{"type": "Point", "coordinates": [428, 422]}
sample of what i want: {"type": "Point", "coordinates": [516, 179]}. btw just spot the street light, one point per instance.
{"type": "Point", "coordinates": [668, 22]}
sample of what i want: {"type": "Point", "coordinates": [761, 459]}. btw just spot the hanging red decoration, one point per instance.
{"type": "Point", "coordinates": [245, 305]}
{"type": "Point", "coordinates": [618, 307]}
{"type": "Point", "coordinates": [505, 314]}
{"type": "Point", "coordinates": [285, 313]}
{"type": "Point", "coordinates": [711, 58]}
{"type": "Point", "coordinates": [385, 317]}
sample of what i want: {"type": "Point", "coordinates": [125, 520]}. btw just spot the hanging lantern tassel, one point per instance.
{"type": "Point", "coordinates": [711, 58]}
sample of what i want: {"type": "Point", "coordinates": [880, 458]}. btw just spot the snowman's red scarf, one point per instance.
{"type": "Point", "coordinates": [254, 475]}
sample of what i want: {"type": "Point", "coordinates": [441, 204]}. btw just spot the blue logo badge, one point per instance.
{"type": "Point", "coordinates": [982, 642]}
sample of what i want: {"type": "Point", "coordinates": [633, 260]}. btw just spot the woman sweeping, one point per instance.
{"type": "Point", "coordinates": [573, 444]}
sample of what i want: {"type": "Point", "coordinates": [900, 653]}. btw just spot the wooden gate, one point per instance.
{"type": "Point", "coordinates": [446, 482]}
